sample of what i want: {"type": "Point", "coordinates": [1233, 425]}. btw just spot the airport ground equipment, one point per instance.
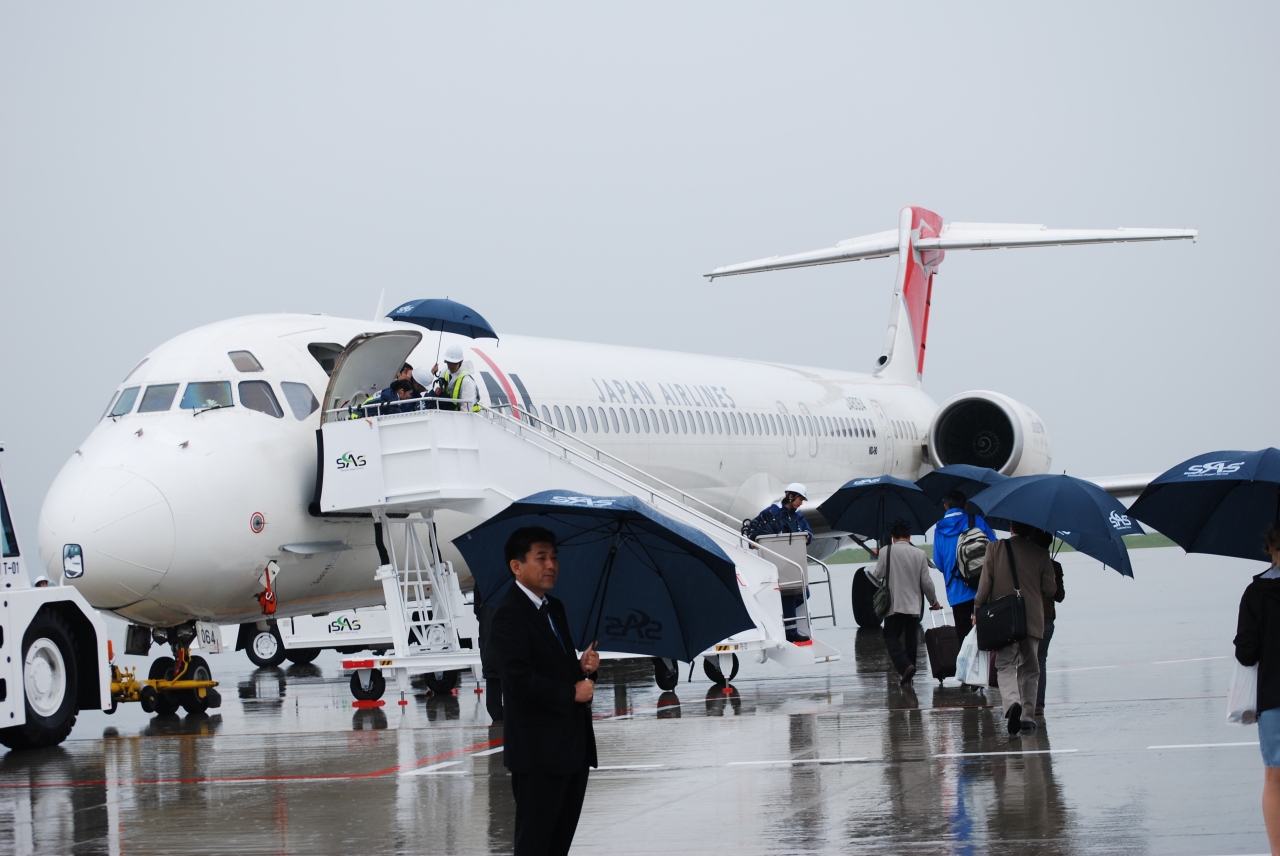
{"type": "Point", "coordinates": [300, 638]}
{"type": "Point", "coordinates": [478, 463]}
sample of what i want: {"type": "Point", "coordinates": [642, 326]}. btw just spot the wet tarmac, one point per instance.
{"type": "Point", "coordinates": [1134, 755]}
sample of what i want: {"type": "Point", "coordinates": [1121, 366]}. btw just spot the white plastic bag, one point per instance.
{"type": "Point", "coordinates": [1242, 698]}
{"type": "Point", "coordinates": [972, 664]}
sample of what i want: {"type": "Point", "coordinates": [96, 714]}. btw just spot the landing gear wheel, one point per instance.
{"type": "Point", "coordinates": [165, 704]}
{"type": "Point", "coordinates": [303, 656]}
{"type": "Point", "coordinates": [265, 649]}
{"type": "Point", "coordinates": [377, 686]}
{"type": "Point", "coordinates": [711, 668]}
{"type": "Point", "coordinates": [666, 673]}
{"type": "Point", "coordinates": [191, 700]}
{"type": "Point", "coordinates": [864, 592]}
{"type": "Point", "coordinates": [441, 683]}
{"type": "Point", "coordinates": [49, 685]}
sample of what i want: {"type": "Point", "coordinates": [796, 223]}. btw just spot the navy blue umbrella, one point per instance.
{"type": "Point", "coordinates": [871, 505]}
{"type": "Point", "coordinates": [966, 478]}
{"type": "Point", "coordinates": [447, 316]}
{"type": "Point", "coordinates": [1218, 502]}
{"type": "Point", "coordinates": [1077, 511]}
{"type": "Point", "coordinates": [631, 578]}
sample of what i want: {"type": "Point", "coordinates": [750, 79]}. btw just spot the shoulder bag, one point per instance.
{"type": "Point", "coordinates": [1003, 621]}
{"type": "Point", "coordinates": [882, 601]}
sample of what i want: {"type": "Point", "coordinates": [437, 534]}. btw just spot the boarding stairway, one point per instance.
{"type": "Point", "coordinates": [404, 467]}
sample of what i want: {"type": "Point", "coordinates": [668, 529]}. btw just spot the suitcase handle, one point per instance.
{"type": "Point", "coordinates": [934, 613]}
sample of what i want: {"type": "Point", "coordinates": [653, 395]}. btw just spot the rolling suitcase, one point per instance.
{"type": "Point", "coordinates": [943, 646]}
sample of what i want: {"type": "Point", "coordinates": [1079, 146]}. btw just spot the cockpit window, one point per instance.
{"type": "Point", "coordinates": [158, 397]}
{"type": "Point", "coordinates": [326, 354]}
{"type": "Point", "coordinates": [125, 402]}
{"type": "Point", "coordinates": [244, 361]}
{"type": "Point", "coordinates": [257, 395]}
{"type": "Point", "coordinates": [302, 401]}
{"type": "Point", "coordinates": [201, 395]}
{"type": "Point", "coordinates": [109, 403]}
{"type": "Point", "coordinates": [7, 541]}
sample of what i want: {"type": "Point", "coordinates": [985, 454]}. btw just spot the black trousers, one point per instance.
{"type": "Point", "coordinates": [963, 615]}
{"type": "Point", "coordinates": [547, 809]}
{"type": "Point", "coordinates": [900, 629]}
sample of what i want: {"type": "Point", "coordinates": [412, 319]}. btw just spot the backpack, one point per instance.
{"type": "Point", "coordinates": [971, 552]}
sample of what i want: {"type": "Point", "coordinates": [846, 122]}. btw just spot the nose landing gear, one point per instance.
{"type": "Point", "coordinates": [182, 680]}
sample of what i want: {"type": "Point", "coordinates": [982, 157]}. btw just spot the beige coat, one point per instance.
{"type": "Point", "coordinates": [1035, 576]}
{"type": "Point", "coordinates": [908, 578]}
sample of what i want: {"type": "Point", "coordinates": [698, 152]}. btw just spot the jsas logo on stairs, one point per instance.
{"type": "Point", "coordinates": [348, 461]}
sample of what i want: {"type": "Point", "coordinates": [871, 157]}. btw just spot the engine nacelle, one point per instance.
{"type": "Point", "coordinates": [988, 429]}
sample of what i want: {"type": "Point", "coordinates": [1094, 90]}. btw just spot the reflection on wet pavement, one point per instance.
{"type": "Point", "coordinates": [827, 759]}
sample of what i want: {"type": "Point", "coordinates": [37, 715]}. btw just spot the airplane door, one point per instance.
{"type": "Point", "coordinates": [812, 426]}
{"type": "Point", "coordinates": [788, 430]}
{"type": "Point", "coordinates": [884, 444]}
{"type": "Point", "coordinates": [368, 363]}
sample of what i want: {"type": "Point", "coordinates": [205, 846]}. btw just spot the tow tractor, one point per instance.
{"type": "Point", "coordinates": [56, 659]}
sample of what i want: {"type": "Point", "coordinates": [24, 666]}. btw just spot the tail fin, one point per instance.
{"type": "Point", "coordinates": [904, 345]}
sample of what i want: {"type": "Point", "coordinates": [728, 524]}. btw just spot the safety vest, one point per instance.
{"type": "Point", "coordinates": [360, 411]}
{"type": "Point", "coordinates": [455, 388]}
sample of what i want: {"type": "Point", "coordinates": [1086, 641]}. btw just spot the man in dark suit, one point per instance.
{"type": "Point", "coordinates": [547, 690]}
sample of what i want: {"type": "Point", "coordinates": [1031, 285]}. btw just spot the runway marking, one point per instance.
{"type": "Point", "coordinates": [1146, 663]}
{"type": "Point", "coordinates": [430, 769]}
{"type": "Point", "coordinates": [1019, 752]}
{"type": "Point", "coordinates": [486, 752]}
{"type": "Point", "coordinates": [632, 767]}
{"type": "Point", "coordinates": [794, 762]}
{"type": "Point", "coordinates": [1202, 745]}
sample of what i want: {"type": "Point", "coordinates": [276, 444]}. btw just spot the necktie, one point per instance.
{"type": "Point", "coordinates": [547, 612]}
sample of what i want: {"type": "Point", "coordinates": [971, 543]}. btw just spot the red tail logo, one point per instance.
{"type": "Point", "coordinates": [917, 285]}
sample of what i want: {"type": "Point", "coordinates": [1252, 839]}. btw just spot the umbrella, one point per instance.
{"type": "Point", "coordinates": [631, 578]}
{"type": "Point", "coordinates": [447, 316]}
{"type": "Point", "coordinates": [873, 504]}
{"type": "Point", "coordinates": [966, 478]}
{"type": "Point", "coordinates": [1079, 512]}
{"type": "Point", "coordinates": [1218, 502]}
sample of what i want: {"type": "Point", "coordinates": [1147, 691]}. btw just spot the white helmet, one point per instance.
{"type": "Point", "coordinates": [796, 487]}
{"type": "Point", "coordinates": [453, 354]}
{"type": "Point", "coordinates": [36, 583]}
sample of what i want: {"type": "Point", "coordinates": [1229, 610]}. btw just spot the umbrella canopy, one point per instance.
{"type": "Point", "coordinates": [966, 478]}
{"type": "Point", "coordinates": [872, 505]}
{"type": "Point", "coordinates": [630, 577]}
{"type": "Point", "coordinates": [1218, 502]}
{"type": "Point", "coordinates": [1079, 512]}
{"type": "Point", "coordinates": [447, 316]}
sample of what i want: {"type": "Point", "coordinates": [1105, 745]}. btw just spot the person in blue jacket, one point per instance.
{"type": "Point", "coordinates": [782, 517]}
{"type": "Point", "coordinates": [946, 536]}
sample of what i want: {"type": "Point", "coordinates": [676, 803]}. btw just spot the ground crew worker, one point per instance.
{"type": "Point", "coordinates": [786, 517]}
{"type": "Point", "coordinates": [459, 385]}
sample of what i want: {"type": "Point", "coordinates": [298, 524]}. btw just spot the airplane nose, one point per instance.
{"type": "Point", "coordinates": [123, 524]}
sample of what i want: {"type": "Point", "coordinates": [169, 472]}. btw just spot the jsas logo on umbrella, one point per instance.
{"type": "Point", "coordinates": [1214, 468]}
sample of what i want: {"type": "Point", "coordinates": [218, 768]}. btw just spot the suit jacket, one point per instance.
{"type": "Point", "coordinates": [544, 730]}
{"type": "Point", "coordinates": [908, 570]}
{"type": "Point", "coordinates": [1035, 578]}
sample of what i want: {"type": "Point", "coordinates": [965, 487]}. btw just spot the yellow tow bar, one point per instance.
{"type": "Point", "coordinates": [125, 686]}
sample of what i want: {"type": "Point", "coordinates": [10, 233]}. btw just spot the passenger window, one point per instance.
{"type": "Point", "coordinates": [684, 429]}
{"type": "Point", "coordinates": [109, 403]}
{"type": "Point", "coordinates": [644, 420]}
{"type": "Point", "coordinates": [613, 419]}
{"type": "Point", "coordinates": [125, 402]}
{"type": "Point", "coordinates": [582, 420]}
{"type": "Point", "coordinates": [257, 395]}
{"type": "Point", "coordinates": [159, 398]}
{"type": "Point", "coordinates": [604, 420]}
{"type": "Point", "coordinates": [302, 401]}
{"type": "Point", "coordinates": [702, 428]}
{"type": "Point", "coordinates": [244, 361]}
{"type": "Point", "coordinates": [666, 429]}
{"type": "Point", "coordinates": [568, 417]}
{"type": "Point", "coordinates": [326, 354]}
{"type": "Point", "coordinates": [559, 419]}
{"type": "Point", "coordinates": [595, 429]}
{"type": "Point", "coordinates": [755, 417]}
{"type": "Point", "coordinates": [622, 417]}
{"type": "Point", "coordinates": [546, 418]}
{"type": "Point", "coordinates": [635, 421]}
{"type": "Point", "coordinates": [200, 395]}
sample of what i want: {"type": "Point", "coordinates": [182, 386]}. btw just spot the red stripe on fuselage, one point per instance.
{"type": "Point", "coordinates": [502, 379]}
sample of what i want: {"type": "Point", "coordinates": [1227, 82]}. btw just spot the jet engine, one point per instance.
{"type": "Point", "coordinates": [988, 429]}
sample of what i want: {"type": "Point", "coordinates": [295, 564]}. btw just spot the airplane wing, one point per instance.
{"type": "Point", "coordinates": [956, 236]}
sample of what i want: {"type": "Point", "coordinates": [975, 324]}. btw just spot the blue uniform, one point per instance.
{"type": "Point", "coordinates": [788, 520]}
{"type": "Point", "coordinates": [945, 537]}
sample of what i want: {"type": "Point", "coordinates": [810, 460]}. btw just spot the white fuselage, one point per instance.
{"type": "Point", "coordinates": [178, 511]}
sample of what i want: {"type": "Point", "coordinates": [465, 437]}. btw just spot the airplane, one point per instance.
{"type": "Point", "coordinates": [203, 467]}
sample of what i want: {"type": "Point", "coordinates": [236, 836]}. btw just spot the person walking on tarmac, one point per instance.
{"type": "Point", "coordinates": [778, 518]}
{"type": "Point", "coordinates": [907, 570]}
{"type": "Point", "coordinates": [954, 524]}
{"type": "Point", "coordinates": [458, 383]}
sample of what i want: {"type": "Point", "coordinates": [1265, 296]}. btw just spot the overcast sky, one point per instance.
{"type": "Point", "coordinates": [572, 170]}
